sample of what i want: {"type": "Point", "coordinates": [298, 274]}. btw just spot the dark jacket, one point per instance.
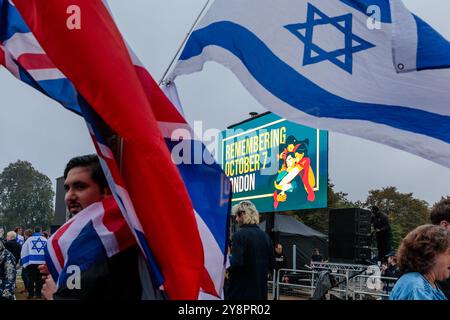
{"type": "Point", "coordinates": [7, 274]}
{"type": "Point", "coordinates": [381, 223]}
{"type": "Point", "coordinates": [316, 258]}
{"type": "Point", "coordinates": [14, 247]}
{"type": "Point", "coordinates": [116, 278]}
{"type": "Point", "coordinates": [392, 271]}
{"type": "Point", "coordinates": [280, 261]}
{"type": "Point", "coordinates": [252, 258]}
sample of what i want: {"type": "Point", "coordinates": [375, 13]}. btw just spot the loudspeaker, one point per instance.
{"type": "Point", "coordinates": [349, 235]}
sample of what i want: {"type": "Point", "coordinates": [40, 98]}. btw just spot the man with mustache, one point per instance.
{"type": "Point", "coordinates": [84, 183]}
{"type": "Point", "coordinates": [113, 278]}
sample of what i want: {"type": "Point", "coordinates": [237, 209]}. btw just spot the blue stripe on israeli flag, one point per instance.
{"type": "Point", "coordinates": [318, 63]}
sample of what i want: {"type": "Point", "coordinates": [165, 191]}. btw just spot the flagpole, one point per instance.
{"type": "Point", "coordinates": [162, 81]}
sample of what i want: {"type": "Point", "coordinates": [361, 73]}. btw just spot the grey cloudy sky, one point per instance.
{"type": "Point", "coordinates": [34, 128]}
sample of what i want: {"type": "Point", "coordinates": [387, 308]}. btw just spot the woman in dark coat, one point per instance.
{"type": "Point", "coordinates": [252, 256]}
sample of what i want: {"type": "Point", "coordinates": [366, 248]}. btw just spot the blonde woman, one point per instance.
{"type": "Point", "coordinates": [252, 256]}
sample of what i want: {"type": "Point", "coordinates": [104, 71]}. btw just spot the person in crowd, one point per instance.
{"type": "Point", "coordinates": [46, 234]}
{"type": "Point", "coordinates": [440, 216]}
{"type": "Point", "coordinates": [32, 255]}
{"type": "Point", "coordinates": [226, 281]}
{"type": "Point", "coordinates": [19, 238]}
{"type": "Point", "coordinates": [25, 274]}
{"type": "Point", "coordinates": [13, 246]}
{"type": "Point", "coordinates": [280, 258]}
{"type": "Point", "coordinates": [424, 259]}
{"type": "Point", "coordinates": [27, 233]}
{"type": "Point", "coordinates": [252, 256]}
{"type": "Point", "coordinates": [116, 278]}
{"type": "Point", "coordinates": [280, 263]}
{"type": "Point", "coordinates": [7, 274]}
{"type": "Point", "coordinates": [316, 256]}
{"type": "Point", "coordinates": [390, 270]}
{"type": "Point", "coordinates": [382, 230]}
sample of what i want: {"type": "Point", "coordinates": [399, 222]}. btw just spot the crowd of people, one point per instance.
{"type": "Point", "coordinates": [24, 251]}
{"type": "Point", "coordinates": [418, 270]}
{"type": "Point", "coordinates": [424, 259]}
{"type": "Point", "coordinates": [421, 264]}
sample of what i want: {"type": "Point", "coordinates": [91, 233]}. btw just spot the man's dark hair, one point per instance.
{"type": "Point", "coordinates": [37, 229]}
{"type": "Point", "coordinates": [375, 209]}
{"type": "Point", "coordinates": [92, 162]}
{"type": "Point", "coordinates": [440, 211]}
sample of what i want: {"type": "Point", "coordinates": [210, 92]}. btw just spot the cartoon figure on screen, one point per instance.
{"type": "Point", "coordinates": [295, 162]}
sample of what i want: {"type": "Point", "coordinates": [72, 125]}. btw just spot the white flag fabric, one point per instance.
{"type": "Point", "coordinates": [367, 68]}
{"type": "Point", "coordinates": [33, 250]}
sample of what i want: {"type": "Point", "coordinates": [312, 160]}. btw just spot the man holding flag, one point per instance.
{"type": "Point", "coordinates": [96, 244]}
{"type": "Point", "coordinates": [180, 220]}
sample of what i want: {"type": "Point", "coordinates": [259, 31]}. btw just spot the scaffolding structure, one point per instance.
{"type": "Point", "coordinates": [335, 267]}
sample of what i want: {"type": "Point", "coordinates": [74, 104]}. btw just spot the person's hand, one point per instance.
{"type": "Point", "coordinates": [43, 270]}
{"type": "Point", "coordinates": [49, 288]}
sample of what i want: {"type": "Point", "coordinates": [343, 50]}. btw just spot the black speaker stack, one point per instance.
{"type": "Point", "coordinates": [349, 236]}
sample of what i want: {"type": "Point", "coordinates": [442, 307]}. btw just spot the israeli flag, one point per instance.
{"type": "Point", "coordinates": [367, 68]}
{"type": "Point", "coordinates": [33, 250]}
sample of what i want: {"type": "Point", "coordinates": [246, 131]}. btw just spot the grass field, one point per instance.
{"type": "Point", "coordinates": [21, 293]}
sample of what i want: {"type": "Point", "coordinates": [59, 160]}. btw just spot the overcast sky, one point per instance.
{"type": "Point", "coordinates": [36, 129]}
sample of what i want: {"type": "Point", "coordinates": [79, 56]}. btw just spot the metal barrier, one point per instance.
{"type": "Point", "coordinates": [344, 269]}
{"type": "Point", "coordinates": [337, 266]}
{"type": "Point", "coordinates": [302, 283]}
{"type": "Point", "coordinates": [310, 282]}
{"type": "Point", "coordinates": [271, 284]}
{"type": "Point", "coordinates": [286, 275]}
{"type": "Point", "coordinates": [363, 285]}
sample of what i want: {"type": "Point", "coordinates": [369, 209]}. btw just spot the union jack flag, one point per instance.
{"type": "Point", "coordinates": [181, 227]}
{"type": "Point", "coordinates": [101, 225]}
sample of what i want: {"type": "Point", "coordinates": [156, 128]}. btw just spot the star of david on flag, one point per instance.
{"type": "Point", "coordinates": [343, 23]}
{"type": "Point", "coordinates": [33, 250]}
{"type": "Point", "coordinates": [318, 63]}
{"type": "Point", "coordinates": [38, 245]}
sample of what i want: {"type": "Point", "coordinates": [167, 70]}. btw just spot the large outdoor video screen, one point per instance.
{"type": "Point", "coordinates": [277, 164]}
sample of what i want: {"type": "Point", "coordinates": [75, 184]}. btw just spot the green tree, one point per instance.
{"type": "Point", "coordinates": [404, 211]}
{"type": "Point", "coordinates": [318, 219]}
{"type": "Point", "coordinates": [26, 196]}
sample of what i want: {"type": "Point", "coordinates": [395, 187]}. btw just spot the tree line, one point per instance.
{"type": "Point", "coordinates": [26, 197]}
{"type": "Point", "coordinates": [405, 212]}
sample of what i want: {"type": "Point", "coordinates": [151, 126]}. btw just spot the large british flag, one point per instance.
{"type": "Point", "coordinates": [22, 55]}
{"type": "Point", "coordinates": [101, 225]}
{"type": "Point", "coordinates": [179, 217]}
